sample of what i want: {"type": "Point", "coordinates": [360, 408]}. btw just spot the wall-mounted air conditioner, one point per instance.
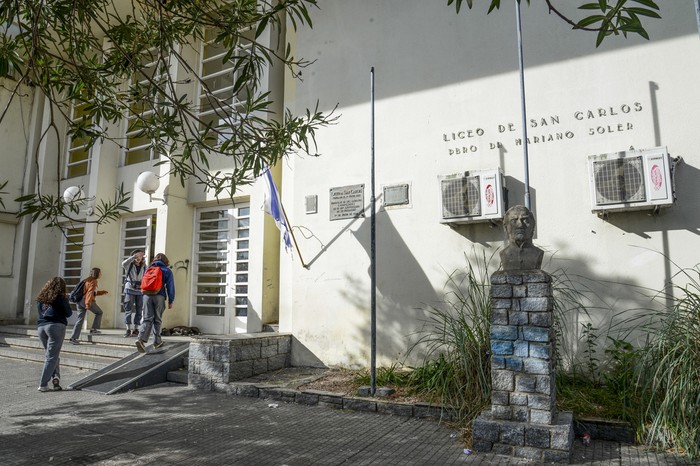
{"type": "Point", "coordinates": [631, 180]}
{"type": "Point", "coordinates": [473, 196]}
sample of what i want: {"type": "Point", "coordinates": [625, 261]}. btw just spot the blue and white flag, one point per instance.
{"type": "Point", "coordinates": [274, 208]}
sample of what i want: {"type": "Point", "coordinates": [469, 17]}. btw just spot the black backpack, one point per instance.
{"type": "Point", "coordinates": [77, 294]}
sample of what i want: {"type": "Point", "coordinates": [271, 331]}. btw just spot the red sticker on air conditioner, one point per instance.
{"type": "Point", "coordinates": [490, 195]}
{"type": "Point", "coordinates": [657, 179]}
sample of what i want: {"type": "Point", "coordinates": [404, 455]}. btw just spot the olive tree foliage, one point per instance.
{"type": "Point", "coordinates": [112, 57]}
{"type": "Point", "coordinates": [612, 17]}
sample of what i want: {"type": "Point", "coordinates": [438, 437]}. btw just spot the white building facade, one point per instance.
{"type": "Point", "coordinates": [447, 102]}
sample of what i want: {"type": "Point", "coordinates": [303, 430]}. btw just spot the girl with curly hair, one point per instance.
{"type": "Point", "coordinates": [54, 311]}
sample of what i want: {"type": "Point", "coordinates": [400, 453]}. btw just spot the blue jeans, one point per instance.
{"type": "Point", "coordinates": [95, 309]}
{"type": "Point", "coordinates": [153, 308]}
{"type": "Point", "coordinates": [135, 302]}
{"type": "Point", "coordinates": [51, 336]}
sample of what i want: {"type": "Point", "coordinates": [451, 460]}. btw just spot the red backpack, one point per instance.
{"type": "Point", "coordinates": [152, 281]}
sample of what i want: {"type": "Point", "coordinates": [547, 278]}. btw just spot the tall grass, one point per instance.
{"type": "Point", "coordinates": [456, 343]}
{"type": "Point", "coordinates": [669, 375]}
{"type": "Point", "coordinates": [656, 387]}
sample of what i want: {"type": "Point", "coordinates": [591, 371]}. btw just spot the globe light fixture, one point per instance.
{"type": "Point", "coordinates": [75, 194]}
{"type": "Point", "coordinates": [148, 183]}
{"type": "Point", "coordinates": [72, 193]}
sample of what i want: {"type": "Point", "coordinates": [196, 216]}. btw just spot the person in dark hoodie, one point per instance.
{"type": "Point", "coordinates": [154, 305]}
{"type": "Point", "coordinates": [54, 310]}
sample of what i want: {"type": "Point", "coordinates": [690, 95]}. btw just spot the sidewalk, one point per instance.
{"type": "Point", "coordinates": [171, 424]}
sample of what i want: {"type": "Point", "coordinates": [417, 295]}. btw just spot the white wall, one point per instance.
{"type": "Point", "coordinates": [439, 73]}
{"type": "Point", "coordinates": [17, 140]}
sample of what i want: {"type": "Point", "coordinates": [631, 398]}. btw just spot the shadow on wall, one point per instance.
{"type": "Point", "coordinates": [614, 308]}
{"type": "Point", "coordinates": [468, 46]}
{"type": "Point", "coordinates": [681, 216]}
{"type": "Point", "coordinates": [403, 290]}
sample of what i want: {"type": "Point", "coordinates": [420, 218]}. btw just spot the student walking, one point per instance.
{"type": "Point", "coordinates": [157, 285]}
{"type": "Point", "coordinates": [134, 267]}
{"type": "Point", "coordinates": [54, 310]}
{"type": "Point", "coordinates": [87, 302]}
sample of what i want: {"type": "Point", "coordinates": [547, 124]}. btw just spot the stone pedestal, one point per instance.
{"type": "Point", "coordinates": [523, 420]}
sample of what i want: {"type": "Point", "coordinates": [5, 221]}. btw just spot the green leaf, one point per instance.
{"type": "Point", "coordinates": [261, 27]}
{"type": "Point", "coordinates": [649, 3]}
{"type": "Point", "coordinates": [591, 6]}
{"type": "Point", "coordinates": [599, 39]}
{"type": "Point", "coordinates": [590, 20]}
{"type": "Point", "coordinates": [643, 12]}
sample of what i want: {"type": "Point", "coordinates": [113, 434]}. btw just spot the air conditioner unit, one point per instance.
{"type": "Point", "coordinates": [473, 196]}
{"type": "Point", "coordinates": [631, 180]}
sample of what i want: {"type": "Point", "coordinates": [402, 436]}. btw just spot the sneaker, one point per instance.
{"type": "Point", "coordinates": [44, 389]}
{"type": "Point", "coordinates": [159, 344]}
{"type": "Point", "coordinates": [140, 346]}
{"type": "Point", "coordinates": [74, 342]}
{"type": "Point", "coordinates": [134, 333]}
{"type": "Point", "coordinates": [127, 334]}
{"type": "Point", "coordinates": [94, 331]}
{"type": "Point", "coordinates": [56, 385]}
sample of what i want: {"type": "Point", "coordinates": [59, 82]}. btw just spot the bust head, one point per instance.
{"type": "Point", "coordinates": [520, 225]}
{"type": "Point", "coordinates": [520, 253]}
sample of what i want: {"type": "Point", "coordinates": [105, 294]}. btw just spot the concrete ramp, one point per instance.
{"type": "Point", "coordinates": [137, 370]}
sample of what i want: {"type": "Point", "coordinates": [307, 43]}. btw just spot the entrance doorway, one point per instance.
{"type": "Point", "coordinates": [221, 255]}
{"type": "Point", "coordinates": [137, 233]}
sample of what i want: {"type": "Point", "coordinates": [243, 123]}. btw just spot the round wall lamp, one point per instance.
{"type": "Point", "coordinates": [73, 194]}
{"type": "Point", "coordinates": [148, 183]}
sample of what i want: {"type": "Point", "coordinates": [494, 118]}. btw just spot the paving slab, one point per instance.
{"type": "Point", "coordinates": [171, 424]}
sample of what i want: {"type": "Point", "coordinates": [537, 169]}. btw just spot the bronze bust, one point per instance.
{"type": "Point", "coordinates": [520, 253]}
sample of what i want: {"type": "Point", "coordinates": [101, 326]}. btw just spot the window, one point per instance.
{"type": "Point", "coordinates": [72, 253]}
{"type": "Point", "coordinates": [218, 104]}
{"type": "Point", "coordinates": [145, 98]}
{"type": "Point", "coordinates": [78, 152]}
{"type": "Point", "coordinates": [221, 254]}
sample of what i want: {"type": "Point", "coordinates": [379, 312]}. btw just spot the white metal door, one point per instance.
{"type": "Point", "coordinates": [72, 263]}
{"type": "Point", "coordinates": [221, 253]}
{"type": "Point", "coordinates": [137, 233]}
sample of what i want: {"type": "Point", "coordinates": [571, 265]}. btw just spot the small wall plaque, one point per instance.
{"type": "Point", "coordinates": [311, 204]}
{"type": "Point", "coordinates": [396, 195]}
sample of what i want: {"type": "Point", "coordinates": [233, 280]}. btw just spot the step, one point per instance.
{"type": "Point", "coordinates": [179, 376]}
{"type": "Point", "coordinates": [86, 347]}
{"type": "Point", "coordinates": [94, 352]}
{"type": "Point", "coordinates": [74, 360]}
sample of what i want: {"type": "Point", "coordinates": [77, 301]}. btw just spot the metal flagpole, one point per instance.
{"type": "Point", "coordinates": [291, 233]}
{"type": "Point", "coordinates": [522, 105]}
{"type": "Point", "coordinates": [372, 253]}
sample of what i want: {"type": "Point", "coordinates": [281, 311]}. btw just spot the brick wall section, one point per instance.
{"type": "Point", "coordinates": [522, 347]}
{"type": "Point", "coordinates": [219, 363]}
{"type": "Point", "coordinates": [220, 360]}
{"type": "Point", "coordinates": [523, 420]}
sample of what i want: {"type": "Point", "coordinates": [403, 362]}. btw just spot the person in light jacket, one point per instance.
{"type": "Point", "coordinates": [88, 303]}
{"type": "Point", "coordinates": [54, 311]}
{"type": "Point", "coordinates": [134, 267]}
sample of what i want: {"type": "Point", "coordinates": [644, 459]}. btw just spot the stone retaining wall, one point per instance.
{"type": "Point", "coordinates": [335, 400]}
{"type": "Point", "coordinates": [219, 360]}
